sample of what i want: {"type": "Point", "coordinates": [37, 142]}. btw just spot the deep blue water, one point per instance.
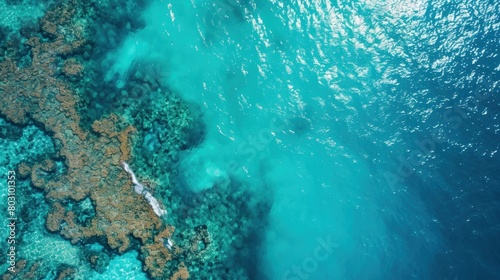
{"type": "Point", "coordinates": [370, 126]}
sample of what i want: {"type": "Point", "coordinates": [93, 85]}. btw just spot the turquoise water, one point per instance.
{"type": "Point", "coordinates": [370, 128]}
{"type": "Point", "coordinates": [316, 101]}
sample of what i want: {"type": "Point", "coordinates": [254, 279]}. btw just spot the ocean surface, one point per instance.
{"type": "Point", "coordinates": [370, 128]}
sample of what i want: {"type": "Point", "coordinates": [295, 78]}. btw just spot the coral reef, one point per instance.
{"type": "Point", "coordinates": [22, 271]}
{"type": "Point", "coordinates": [166, 126]}
{"type": "Point", "coordinates": [72, 68]}
{"type": "Point", "coordinates": [91, 158]}
{"type": "Point", "coordinates": [140, 189]}
{"type": "Point", "coordinates": [23, 170]}
{"type": "Point", "coordinates": [65, 273]}
{"type": "Point", "coordinates": [181, 274]}
{"type": "Point", "coordinates": [49, 83]}
{"type": "Point", "coordinates": [99, 261]}
{"type": "Point", "coordinates": [201, 239]}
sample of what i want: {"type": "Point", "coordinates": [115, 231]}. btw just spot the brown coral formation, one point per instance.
{"type": "Point", "coordinates": [23, 272]}
{"type": "Point", "coordinates": [157, 255]}
{"type": "Point", "coordinates": [20, 266]}
{"type": "Point", "coordinates": [66, 274]}
{"type": "Point", "coordinates": [181, 273]}
{"type": "Point", "coordinates": [23, 170]}
{"type": "Point", "coordinates": [72, 68]}
{"type": "Point", "coordinates": [91, 158]}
